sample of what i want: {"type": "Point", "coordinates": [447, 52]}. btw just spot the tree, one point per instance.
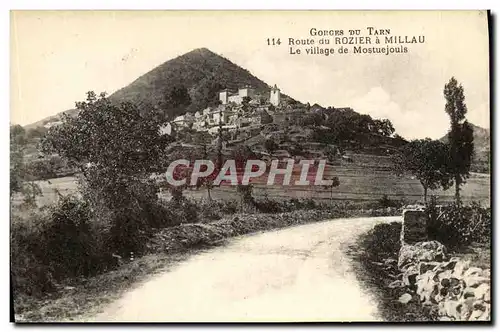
{"type": "Point", "coordinates": [175, 101]}
{"type": "Point", "coordinates": [270, 145]}
{"type": "Point", "coordinates": [460, 136]}
{"type": "Point", "coordinates": [207, 181]}
{"type": "Point", "coordinates": [17, 144]}
{"type": "Point", "coordinates": [116, 148]}
{"type": "Point", "coordinates": [297, 149]}
{"type": "Point", "coordinates": [265, 118]}
{"type": "Point", "coordinates": [246, 199]}
{"type": "Point", "coordinates": [108, 136]}
{"type": "Point", "coordinates": [425, 159]}
{"type": "Point", "coordinates": [335, 183]}
{"type": "Point", "coordinates": [21, 179]}
{"type": "Point", "coordinates": [37, 132]}
{"type": "Point", "coordinates": [332, 152]}
{"type": "Point", "coordinates": [312, 119]}
{"type": "Point", "coordinates": [383, 127]}
{"type": "Point", "coordinates": [245, 102]}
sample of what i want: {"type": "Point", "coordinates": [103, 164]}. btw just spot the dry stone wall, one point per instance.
{"type": "Point", "coordinates": [455, 289]}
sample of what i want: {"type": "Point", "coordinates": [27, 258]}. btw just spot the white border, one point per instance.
{"type": "Point", "coordinates": [187, 4]}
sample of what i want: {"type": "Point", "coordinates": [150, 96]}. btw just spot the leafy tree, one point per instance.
{"type": "Point", "coordinates": [17, 141]}
{"type": "Point", "coordinates": [460, 135]}
{"type": "Point", "coordinates": [116, 148]}
{"type": "Point", "coordinates": [246, 199]}
{"type": "Point", "coordinates": [246, 103]}
{"type": "Point", "coordinates": [383, 127]}
{"type": "Point", "coordinates": [270, 145]}
{"type": "Point", "coordinates": [111, 137]}
{"type": "Point", "coordinates": [335, 183]}
{"type": "Point", "coordinates": [37, 132]}
{"type": "Point", "coordinates": [265, 118]}
{"type": "Point", "coordinates": [206, 94]}
{"type": "Point", "coordinates": [175, 101]}
{"type": "Point", "coordinates": [207, 181]}
{"type": "Point", "coordinates": [296, 149]}
{"type": "Point", "coordinates": [331, 153]}
{"type": "Point", "coordinates": [312, 119]}
{"type": "Point", "coordinates": [21, 179]}
{"type": "Point", "coordinates": [246, 100]}
{"type": "Point", "coordinates": [425, 159]}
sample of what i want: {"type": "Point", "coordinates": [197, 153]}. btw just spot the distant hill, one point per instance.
{"type": "Point", "coordinates": [481, 148]}
{"type": "Point", "coordinates": [202, 72]}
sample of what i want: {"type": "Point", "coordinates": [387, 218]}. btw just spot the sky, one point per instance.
{"type": "Point", "coordinates": [56, 56]}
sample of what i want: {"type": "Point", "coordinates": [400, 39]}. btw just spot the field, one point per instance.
{"type": "Point", "coordinates": [367, 178]}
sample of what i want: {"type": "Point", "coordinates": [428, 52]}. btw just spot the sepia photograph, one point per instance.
{"type": "Point", "coordinates": [250, 166]}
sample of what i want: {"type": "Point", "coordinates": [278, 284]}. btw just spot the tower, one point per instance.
{"type": "Point", "coordinates": [275, 97]}
{"type": "Point", "coordinates": [223, 96]}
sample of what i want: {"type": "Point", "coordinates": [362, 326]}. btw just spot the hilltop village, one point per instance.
{"type": "Point", "coordinates": [236, 110]}
{"type": "Point", "coordinates": [240, 110]}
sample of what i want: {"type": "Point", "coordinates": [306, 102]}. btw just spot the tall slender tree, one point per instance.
{"type": "Point", "coordinates": [460, 135]}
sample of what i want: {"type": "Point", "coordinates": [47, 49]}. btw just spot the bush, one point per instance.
{"type": "Point", "coordinates": [210, 210]}
{"type": "Point", "coordinates": [78, 236]}
{"type": "Point", "coordinates": [29, 276]}
{"type": "Point", "coordinates": [229, 207]}
{"type": "Point", "coordinates": [267, 205]}
{"type": "Point", "coordinates": [55, 244]}
{"type": "Point", "coordinates": [459, 225]}
{"type": "Point", "coordinates": [126, 210]}
{"type": "Point", "coordinates": [382, 241]}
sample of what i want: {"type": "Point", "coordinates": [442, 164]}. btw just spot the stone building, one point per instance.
{"type": "Point", "coordinates": [275, 96]}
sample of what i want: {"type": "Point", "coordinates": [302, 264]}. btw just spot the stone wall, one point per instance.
{"type": "Point", "coordinates": [455, 290]}
{"type": "Point", "coordinates": [414, 227]}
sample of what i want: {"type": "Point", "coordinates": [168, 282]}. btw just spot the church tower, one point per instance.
{"type": "Point", "coordinates": [275, 97]}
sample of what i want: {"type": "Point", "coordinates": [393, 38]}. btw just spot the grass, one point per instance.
{"type": "Point", "coordinates": [82, 298]}
{"type": "Point", "coordinates": [357, 183]}
{"type": "Point", "coordinates": [369, 253]}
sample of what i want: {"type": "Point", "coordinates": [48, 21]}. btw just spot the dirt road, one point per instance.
{"type": "Point", "coordinates": [296, 274]}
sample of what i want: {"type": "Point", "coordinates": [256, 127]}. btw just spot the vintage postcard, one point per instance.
{"type": "Point", "coordinates": [250, 166]}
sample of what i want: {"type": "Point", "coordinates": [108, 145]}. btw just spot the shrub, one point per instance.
{"type": "Point", "coordinates": [54, 244]}
{"type": "Point", "coordinates": [125, 209]}
{"type": "Point", "coordinates": [69, 244]}
{"type": "Point", "coordinates": [267, 205]}
{"type": "Point", "coordinates": [247, 202]}
{"type": "Point", "coordinates": [29, 275]}
{"type": "Point", "coordinates": [210, 210]}
{"type": "Point", "coordinates": [458, 225]}
{"type": "Point", "coordinates": [229, 207]}
{"type": "Point", "coordinates": [382, 241]}
{"type": "Point", "coordinates": [386, 202]}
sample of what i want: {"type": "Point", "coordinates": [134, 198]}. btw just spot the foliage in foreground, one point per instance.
{"type": "Point", "coordinates": [457, 225]}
